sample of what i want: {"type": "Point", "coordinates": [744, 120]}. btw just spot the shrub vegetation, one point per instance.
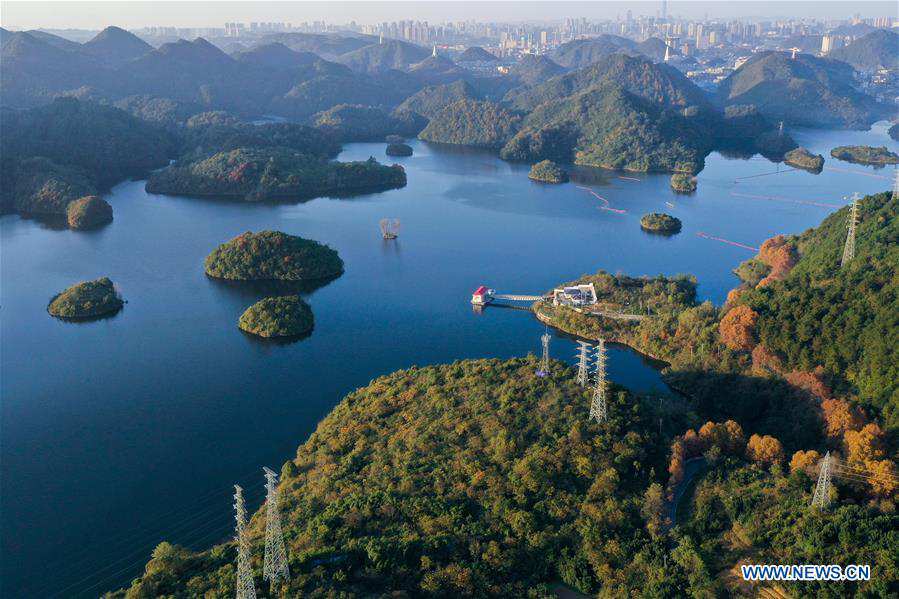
{"type": "Point", "coordinates": [86, 300]}
{"type": "Point", "coordinates": [548, 171]}
{"type": "Point", "coordinates": [657, 222]}
{"type": "Point", "coordinates": [284, 316]}
{"type": "Point", "coordinates": [273, 255]}
{"type": "Point", "coordinates": [88, 212]}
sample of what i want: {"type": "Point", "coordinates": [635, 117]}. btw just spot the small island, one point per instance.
{"type": "Point", "coordinates": [273, 256]}
{"type": "Point", "coordinates": [548, 171]}
{"type": "Point", "coordinates": [657, 222]}
{"type": "Point", "coordinates": [802, 158]}
{"type": "Point", "coordinates": [865, 155]}
{"type": "Point", "coordinates": [398, 149]}
{"type": "Point", "coordinates": [88, 299]}
{"type": "Point", "coordinates": [285, 316]}
{"type": "Point", "coordinates": [683, 183]}
{"type": "Point", "coordinates": [88, 212]}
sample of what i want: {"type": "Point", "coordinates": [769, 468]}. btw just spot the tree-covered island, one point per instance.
{"type": "Point", "coordinates": [88, 212]}
{"type": "Point", "coordinates": [657, 222]}
{"type": "Point", "coordinates": [259, 174]}
{"type": "Point", "coordinates": [802, 158]}
{"type": "Point", "coordinates": [89, 299]}
{"type": "Point", "coordinates": [283, 316]}
{"type": "Point", "coordinates": [547, 171]}
{"type": "Point", "coordinates": [865, 155]}
{"type": "Point", "coordinates": [683, 183]}
{"type": "Point", "coordinates": [273, 255]}
{"type": "Point", "coordinates": [398, 149]}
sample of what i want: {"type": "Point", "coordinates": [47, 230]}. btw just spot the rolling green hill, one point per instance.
{"type": "Point", "coordinates": [472, 123]}
{"type": "Point", "coordinates": [807, 91]}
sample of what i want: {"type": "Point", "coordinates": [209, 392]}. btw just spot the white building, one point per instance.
{"type": "Point", "coordinates": [578, 295]}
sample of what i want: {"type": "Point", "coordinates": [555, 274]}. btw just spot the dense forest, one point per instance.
{"type": "Point", "coordinates": [272, 255]}
{"type": "Point", "coordinates": [257, 174]}
{"type": "Point", "coordinates": [481, 479]}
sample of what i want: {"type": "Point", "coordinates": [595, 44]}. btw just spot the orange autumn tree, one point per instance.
{"type": "Point", "coordinates": [726, 436]}
{"type": "Point", "coordinates": [883, 477]}
{"type": "Point", "coordinates": [840, 417]}
{"type": "Point", "coordinates": [864, 445]}
{"type": "Point", "coordinates": [764, 449]}
{"type": "Point", "coordinates": [807, 461]}
{"type": "Point", "coordinates": [737, 328]}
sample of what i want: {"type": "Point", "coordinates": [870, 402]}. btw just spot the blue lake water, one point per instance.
{"type": "Point", "coordinates": [119, 433]}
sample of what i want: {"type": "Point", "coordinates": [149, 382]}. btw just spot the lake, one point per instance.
{"type": "Point", "coordinates": [119, 433]}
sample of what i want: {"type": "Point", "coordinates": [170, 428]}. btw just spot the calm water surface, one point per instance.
{"type": "Point", "coordinates": [119, 433]}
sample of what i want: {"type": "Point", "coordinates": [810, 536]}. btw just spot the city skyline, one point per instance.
{"type": "Point", "coordinates": [96, 15]}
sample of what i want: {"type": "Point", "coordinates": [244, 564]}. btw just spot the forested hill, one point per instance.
{"type": "Point", "coordinates": [844, 321]}
{"type": "Point", "coordinates": [806, 91]}
{"type": "Point", "coordinates": [476, 478]}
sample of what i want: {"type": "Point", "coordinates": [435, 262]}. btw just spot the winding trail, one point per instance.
{"type": "Point", "coordinates": [692, 467]}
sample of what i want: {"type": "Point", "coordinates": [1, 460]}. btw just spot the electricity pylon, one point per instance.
{"type": "Point", "coordinates": [583, 366]}
{"type": "Point", "coordinates": [896, 184]}
{"type": "Point", "coordinates": [849, 248]}
{"type": "Point", "coordinates": [245, 588]}
{"type": "Point", "coordinates": [544, 361]}
{"type": "Point", "coordinates": [821, 499]}
{"type": "Point", "coordinates": [275, 564]}
{"type": "Point", "coordinates": [598, 403]}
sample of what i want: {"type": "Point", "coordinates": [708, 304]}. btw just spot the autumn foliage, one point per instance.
{"type": "Point", "coordinates": [807, 461]}
{"type": "Point", "coordinates": [840, 417]}
{"type": "Point", "coordinates": [764, 449]}
{"type": "Point", "coordinates": [737, 328]}
{"type": "Point", "coordinates": [780, 254]}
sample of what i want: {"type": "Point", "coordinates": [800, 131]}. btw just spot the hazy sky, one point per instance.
{"type": "Point", "coordinates": [95, 15]}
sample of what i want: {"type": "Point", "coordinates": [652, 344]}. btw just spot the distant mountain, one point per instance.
{"type": "Point", "coordinates": [476, 54]}
{"type": "Point", "coordinates": [532, 69]}
{"type": "Point", "coordinates": [328, 46]}
{"type": "Point", "coordinates": [878, 49]}
{"type": "Point", "coordinates": [472, 123]}
{"type": "Point", "coordinates": [392, 54]}
{"type": "Point", "coordinates": [810, 44]}
{"type": "Point", "coordinates": [584, 52]}
{"type": "Point", "coordinates": [654, 48]}
{"type": "Point", "coordinates": [54, 40]}
{"type": "Point", "coordinates": [856, 30]}
{"type": "Point", "coordinates": [34, 71]}
{"type": "Point", "coordinates": [432, 99]}
{"type": "Point", "coordinates": [658, 83]}
{"type": "Point", "coordinates": [116, 46]}
{"type": "Point", "coordinates": [437, 70]}
{"type": "Point", "coordinates": [806, 91]}
{"type": "Point", "coordinates": [275, 55]}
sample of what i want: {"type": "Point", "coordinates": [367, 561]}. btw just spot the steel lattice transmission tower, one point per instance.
{"type": "Point", "coordinates": [896, 184]}
{"type": "Point", "coordinates": [821, 499]}
{"type": "Point", "coordinates": [849, 248]}
{"type": "Point", "coordinates": [598, 403]}
{"type": "Point", "coordinates": [544, 360]}
{"type": "Point", "coordinates": [275, 565]}
{"type": "Point", "coordinates": [245, 587]}
{"type": "Point", "coordinates": [583, 363]}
